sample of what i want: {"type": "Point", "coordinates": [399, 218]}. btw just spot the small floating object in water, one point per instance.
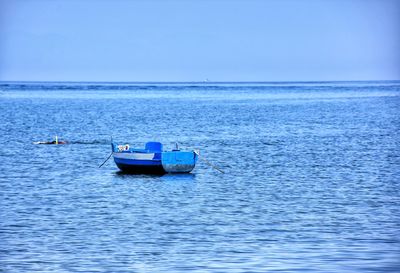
{"type": "Point", "coordinates": [152, 159]}
{"type": "Point", "coordinates": [55, 142]}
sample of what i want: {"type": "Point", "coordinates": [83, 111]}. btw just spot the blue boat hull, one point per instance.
{"type": "Point", "coordinates": [152, 160]}
{"type": "Point", "coordinates": [138, 163]}
{"type": "Point", "coordinates": [178, 162]}
{"type": "Point", "coordinates": [141, 169]}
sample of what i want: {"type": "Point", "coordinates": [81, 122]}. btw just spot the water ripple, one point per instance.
{"type": "Point", "coordinates": [311, 179]}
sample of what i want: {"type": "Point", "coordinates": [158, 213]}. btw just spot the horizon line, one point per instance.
{"type": "Point", "coordinates": [193, 82]}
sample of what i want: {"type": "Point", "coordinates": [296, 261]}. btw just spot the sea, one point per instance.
{"type": "Point", "coordinates": [310, 182]}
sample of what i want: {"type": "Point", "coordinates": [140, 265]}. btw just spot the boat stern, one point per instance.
{"type": "Point", "coordinates": [179, 161]}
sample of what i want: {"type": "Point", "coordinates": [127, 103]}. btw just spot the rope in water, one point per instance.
{"type": "Point", "coordinates": [208, 162]}
{"type": "Point", "coordinates": [106, 160]}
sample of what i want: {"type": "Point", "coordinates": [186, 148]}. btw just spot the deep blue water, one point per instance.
{"type": "Point", "coordinates": [311, 183]}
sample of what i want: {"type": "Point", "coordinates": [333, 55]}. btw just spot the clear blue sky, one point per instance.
{"type": "Point", "coordinates": [189, 40]}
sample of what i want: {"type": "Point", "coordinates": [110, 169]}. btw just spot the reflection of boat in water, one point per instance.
{"type": "Point", "coordinates": [152, 159]}
{"type": "Point", "coordinates": [55, 142]}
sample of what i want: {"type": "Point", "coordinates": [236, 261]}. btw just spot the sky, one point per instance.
{"type": "Point", "coordinates": [195, 40]}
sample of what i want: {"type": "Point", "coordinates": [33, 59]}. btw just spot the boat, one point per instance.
{"type": "Point", "coordinates": [153, 159]}
{"type": "Point", "coordinates": [54, 142]}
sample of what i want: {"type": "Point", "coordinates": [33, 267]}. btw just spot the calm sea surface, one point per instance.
{"type": "Point", "coordinates": [311, 183]}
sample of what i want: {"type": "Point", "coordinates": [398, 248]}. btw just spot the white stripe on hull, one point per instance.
{"type": "Point", "coordinates": [135, 156]}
